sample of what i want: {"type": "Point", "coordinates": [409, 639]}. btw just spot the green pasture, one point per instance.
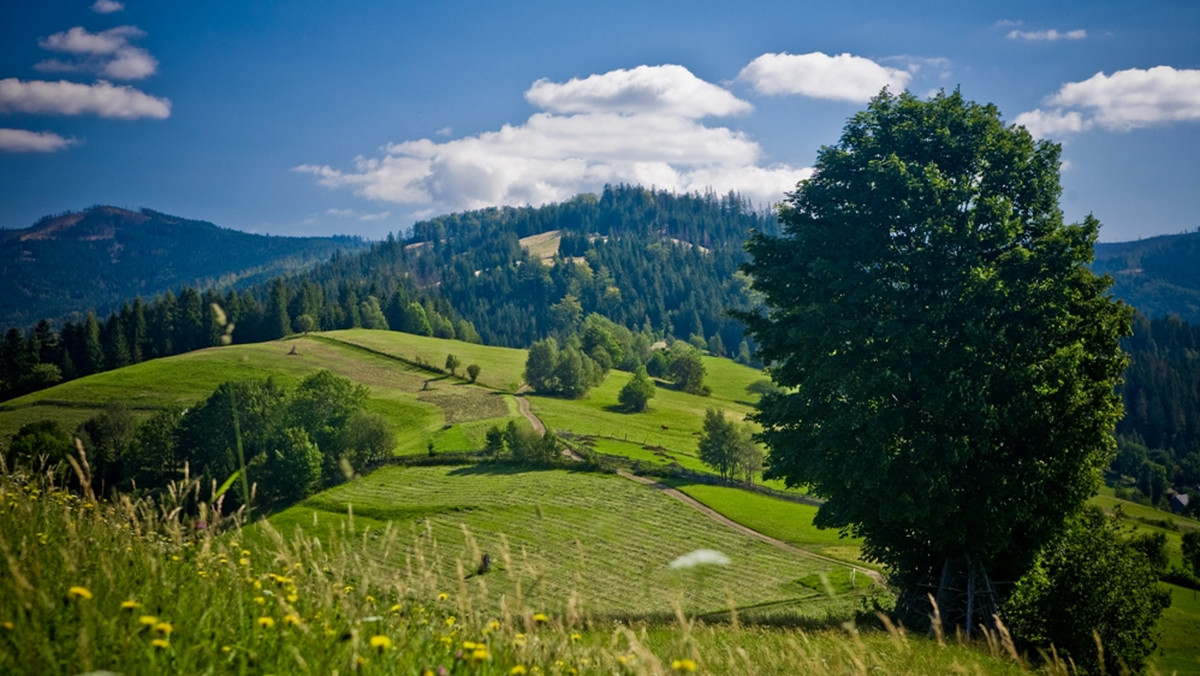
{"type": "Point", "coordinates": [418, 406]}
{"type": "Point", "coordinates": [501, 368]}
{"type": "Point", "coordinates": [1146, 519]}
{"type": "Point", "coordinates": [781, 519]}
{"type": "Point", "coordinates": [602, 540]}
{"type": "Point", "coordinates": [1179, 643]}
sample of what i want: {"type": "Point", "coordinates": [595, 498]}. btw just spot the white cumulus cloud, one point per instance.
{"type": "Point", "coordinates": [24, 141]}
{"type": "Point", "coordinates": [107, 6]}
{"type": "Point", "coordinates": [1050, 35]}
{"type": "Point", "coordinates": [107, 53]}
{"type": "Point", "coordinates": [1050, 123]}
{"type": "Point", "coordinates": [626, 126]}
{"type": "Point", "coordinates": [69, 98]}
{"type": "Point", "coordinates": [668, 89]}
{"type": "Point", "coordinates": [1127, 99]}
{"type": "Point", "coordinates": [840, 78]}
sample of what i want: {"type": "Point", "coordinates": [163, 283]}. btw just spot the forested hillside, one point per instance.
{"type": "Point", "coordinates": [103, 256]}
{"type": "Point", "coordinates": [1159, 276]}
{"type": "Point", "coordinates": [660, 264]}
{"type": "Point", "coordinates": [1159, 436]}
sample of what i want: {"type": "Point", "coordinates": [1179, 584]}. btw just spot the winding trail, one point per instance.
{"type": "Point", "coordinates": [523, 404]}
{"type": "Point", "coordinates": [540, 428]}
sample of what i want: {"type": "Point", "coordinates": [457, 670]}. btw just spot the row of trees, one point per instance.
{"type": "Point", "coordinates": [192, 320]}
{"type": "Point", "coordinates": [289, 443]}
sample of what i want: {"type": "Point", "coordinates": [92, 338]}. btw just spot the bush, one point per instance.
{"type": "Point", "coordinates": [1090, 584]}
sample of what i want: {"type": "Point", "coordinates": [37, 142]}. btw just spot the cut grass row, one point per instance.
{"type": "Point", "coordinates": [601, 540]}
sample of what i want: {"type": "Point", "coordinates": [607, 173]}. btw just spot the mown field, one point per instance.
{"type": "Point", "coordinates": [600, 542]}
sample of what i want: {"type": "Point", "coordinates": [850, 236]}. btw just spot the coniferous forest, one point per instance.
{"type": "Point", "coordinates": [661, 265]}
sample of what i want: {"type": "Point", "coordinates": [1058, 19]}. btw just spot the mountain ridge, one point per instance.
{"type": "Point", "coordinates": [103, 256]}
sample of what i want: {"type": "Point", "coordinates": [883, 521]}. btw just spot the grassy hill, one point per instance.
{"type": "Point", "coordinates": [593, 547]}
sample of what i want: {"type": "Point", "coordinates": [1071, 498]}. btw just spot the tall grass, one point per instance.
{"type": "Point", "coordinates": [135, 587]}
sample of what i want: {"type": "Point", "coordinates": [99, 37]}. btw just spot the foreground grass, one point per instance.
{"type": "Point", "coordinates": [134, 588]}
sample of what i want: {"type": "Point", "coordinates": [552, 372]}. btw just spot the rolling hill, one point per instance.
{"type": "Point", "coordinates": [100, 257]}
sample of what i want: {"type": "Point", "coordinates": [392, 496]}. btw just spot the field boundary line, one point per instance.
{"type": "Point", "coordinates": [720, 518]}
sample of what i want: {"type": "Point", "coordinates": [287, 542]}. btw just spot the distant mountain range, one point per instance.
{"type": "Point", "coordinates": [103, 256]}
{"type": "Point", "coordinates": [1159, 276]}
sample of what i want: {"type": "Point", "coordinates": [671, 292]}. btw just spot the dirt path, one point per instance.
{"type": "Point", "coordinates": [523, 404]}
{"type": "Point", "coordinates": [726, 521]}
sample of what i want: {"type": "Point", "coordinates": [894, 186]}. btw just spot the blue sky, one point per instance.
{"type": "Point", "coordinates": [307, 117]}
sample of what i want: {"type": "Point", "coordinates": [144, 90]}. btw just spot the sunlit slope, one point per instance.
{"type": "Point", "coordinates": [604, 540]}
{"type": "Point", "coordinates": [420, 405]}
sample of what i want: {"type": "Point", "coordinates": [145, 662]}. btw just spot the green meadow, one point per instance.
{"type": "Point", "coordinates": [600, 542]}
{"type": "Point", "coordinates": [593, 547]}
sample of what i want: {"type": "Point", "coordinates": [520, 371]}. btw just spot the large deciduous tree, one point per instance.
{"type": "Point", "coordinates": [949, 359]}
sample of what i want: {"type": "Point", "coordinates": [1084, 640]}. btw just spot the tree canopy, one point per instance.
{"type": "Point", "coordinates": [949, 359]}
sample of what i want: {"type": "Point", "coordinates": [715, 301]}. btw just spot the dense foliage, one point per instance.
{"type": "Point", "coordinates": [288, 443]}
{"type": "Point", "coordinates": [727, 447]}
{"type": "Point", "coordinates": [1159, 438]}
{"type": "Point", "coordinates": [953, 358]}
{"type": "Point", "coordinates": [1091, 585]}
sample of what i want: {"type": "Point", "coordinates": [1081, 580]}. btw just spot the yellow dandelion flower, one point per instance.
{"type": "Point", "coordinates": [494, 625]}
{"type": "Point", "coordinates": [480, 654]}
{"type": "Point", "coordinates": [265, 622]}
{"type": "Point", "coordinates": [234, 544]}
{"type": "Point", "coordinates": [244, 561]}
{"type": "Point", "coordinates": [80, 593]}
{"type": "Point", "coordinates": [148, 620]}
{"type": "Point", "coordinates": [370, 599]}
{"type": "Point", "coordinates": [160, 643]}
{"type": "Point", "coordinates": [291, 620]}
{"type": "Point", "coordinates": [380, 642]}
{"type": "Point", "coordinates": [226, 649]}
{"type": "Point", "coordinates": [683, 665]}
{"type": "Point", "coordinates": [8, 626]}
{"type": "Point", "coordinates": [396, 608]}
{"type": "Point", "coordinates": [292, 598]}
{"type": "Point", "coordinates": [468, 645]}
{"type": "Point", "coordinates": [443, 596]}
{"type": "Point", "coordinates": [540, 618]}
{"type": "Point", "coordinates": [621, 659]}
{"type": "Point", "coordinates": [450, 621]}
{"type": "Point", "coordinates": [130, 605]}
{"type": "Point", "coordinates": [360, 662]}
{"type": "Point", "coordinates": [347, 589]}
{"type": "Point", "coordinates": [576, 636]}
{"type": "Point", "coordinates": [445, 640]}
{"type": "Point", "coordinates": [297, 566]}
{"type": "Point", "coordinates": [260, 600]}
{"type": "Point", "coordinates": [245, 552]}
{"type": "Point", "coordinates": [517, 670]}
{"type": "Point", "coordinates": [174, 557]}
{"type": "Point", "coordinates": [164, 628]}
